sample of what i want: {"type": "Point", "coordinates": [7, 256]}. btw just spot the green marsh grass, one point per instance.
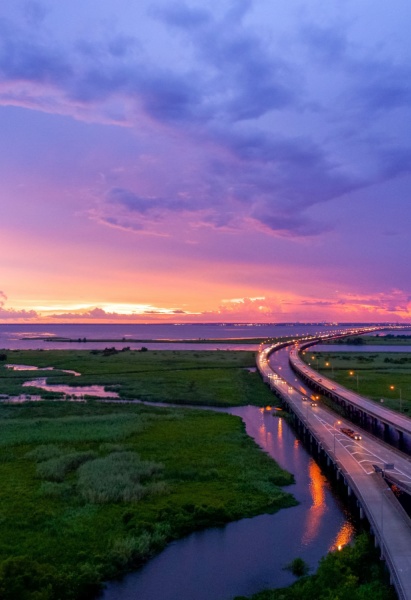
{"type": "Point", "coordinates": [371, 374]}
{"type": "Point", "coordinates": [206, 377]}
{"type": "Point", "coordinates": [72, 511]}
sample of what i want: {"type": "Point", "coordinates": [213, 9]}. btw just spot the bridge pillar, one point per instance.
{"type": "Point", "coordinates": [386, 432]}
{"type": "Point", "coordinates": [401, 440]}
{"type": "Point", "coordinates": [348, 490]}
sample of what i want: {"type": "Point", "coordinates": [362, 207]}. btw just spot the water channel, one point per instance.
{"type": "Point", "coordinates": [249, 555]}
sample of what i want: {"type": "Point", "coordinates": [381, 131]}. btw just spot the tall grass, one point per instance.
{"type": "Point", "coordinates": [110, 513]}
{"type": "Point", "coordinates": [56, 469]}
{"type": "Point", "coordinates": [45, 452]}
{"type": "Point", "coordinates": [98, 428]}
{"type": "Point", "coordinates": [118, 477]}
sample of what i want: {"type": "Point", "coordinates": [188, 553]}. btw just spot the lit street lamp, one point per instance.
{"type": "Point", "coordinates": [316, 360]}
{"type": "Point", "coordinates": [392, 387]}
{"type": "Point", "coordinates": [335, 431]}
{"type": "Point", "coordinates": [356, 374]}
{"type": "Point", "coordinates": [327, 364]}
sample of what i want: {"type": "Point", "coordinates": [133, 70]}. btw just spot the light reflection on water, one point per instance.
{"type": "Point", "coordinates": [344, 536]}
{"type": "Point", "coordinates": [14, 367]}
{"type": "Point", "coordinates": [69, 390]}
{"type": "Point", "coordinates": [318, 506]}
{"type": "Point", "coordinates": [249, 555]}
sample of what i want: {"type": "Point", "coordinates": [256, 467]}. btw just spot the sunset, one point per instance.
{"type": "Point", "coordinates": [205, 300]}
{"type": "Point", "coordinates": [186, 162]}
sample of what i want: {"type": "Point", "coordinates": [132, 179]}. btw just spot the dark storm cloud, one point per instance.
{"type": "Point", "coordinates": [289, 225]}
{"type": "Point", "coordinates": [167, 97]}
{"type": "Point", "coordinates": [376, 82]}
{"type": "Point", "coordinates": [233, 79]}
{"type": "Point", "coordinates": [35, 12]}
{"type": "Point", "coordinates": [254, 79]}
{"type": "Point", "coordinates": [380, 83]}
{"type": "Point", "coordinates": [136, 203]}
{"type": "Point", "coordinates": [180, 15]}
{"type": "Point", "coordinates": [328, 45]}
{"type": "Point", "coordinates": [25, 58]}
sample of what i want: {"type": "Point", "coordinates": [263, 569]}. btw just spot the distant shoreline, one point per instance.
{"type": "Point", "coordinates": [155, 341]}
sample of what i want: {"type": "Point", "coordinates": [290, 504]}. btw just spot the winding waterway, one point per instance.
{"type": "Point", "coordinates": [249, 555]}
{"type": "Point", "coordinates": [246, 556]}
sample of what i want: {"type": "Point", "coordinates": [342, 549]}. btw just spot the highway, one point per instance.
{"type": "Point", "coordinates": [353, 460]}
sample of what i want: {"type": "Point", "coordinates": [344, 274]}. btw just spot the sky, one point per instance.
{"type": "Point", "coordinates": [185, 161]}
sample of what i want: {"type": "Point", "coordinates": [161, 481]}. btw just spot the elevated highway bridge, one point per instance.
{"type": "Point", "coordinates": [369, 467]}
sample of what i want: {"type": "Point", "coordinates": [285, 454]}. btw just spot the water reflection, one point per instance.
{"type": "Point", "coordinates": [249, 555]}
{"type": "Point", "coordinates": [280, 431]}
{"type": "Point", "coordinates": [318, 507]}
{"type": "Point", "coordinates": [344, 537]}
{"type": "Point", "coordinates": [14, 367]}
{"type": "Point", "coordinates": [77, 391]}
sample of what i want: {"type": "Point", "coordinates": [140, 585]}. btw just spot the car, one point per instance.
{"type": "Point", "coordinates": [320, 380]}
{"type": "Point", "coordinates": [304, 398]}
{"type": "Point", "coordinates": [351, 433]}
{"type": "Point", "coordinates": [314, 403]}
{"type": "Point", "coordinates": [290, 389]}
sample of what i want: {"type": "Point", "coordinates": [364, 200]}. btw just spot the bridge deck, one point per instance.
{"type": "Point", "coordinates": [355, 460]}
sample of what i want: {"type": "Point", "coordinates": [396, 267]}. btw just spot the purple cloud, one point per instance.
{"type": "Point", "coordinates": [232, 93]}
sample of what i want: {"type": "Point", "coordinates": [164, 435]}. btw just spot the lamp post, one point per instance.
{"type": "Point", "coordinates": [335, 431]}
{"type": "Point", "coordinates": [392, 387]}
{"type": "Point", "coordinates": [356, 374]}
{"type": "Point", "coordinates": [328, 364]}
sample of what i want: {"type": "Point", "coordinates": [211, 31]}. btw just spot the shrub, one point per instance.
{"type": "Point", "coordinates": [298, 567]}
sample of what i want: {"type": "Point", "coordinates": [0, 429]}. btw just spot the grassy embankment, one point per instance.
{"type": "Point", "coordinates": [376, 373]}
{"type": "Point", "coordinates": [354, 573]}
{"type": "Point", "coordinates": [88, 491]}
{"type": "Point", "coordinates": [216, 378]}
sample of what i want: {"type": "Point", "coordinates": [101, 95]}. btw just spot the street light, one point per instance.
{"type": "Point", "coordinates": [327, 364]}
{"type": "Point", "coordinates": [356, 374]}
{"type": "Point", "coordinates": [392, 387]}
{"type": "Point", "coordinates": [335, 431]}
